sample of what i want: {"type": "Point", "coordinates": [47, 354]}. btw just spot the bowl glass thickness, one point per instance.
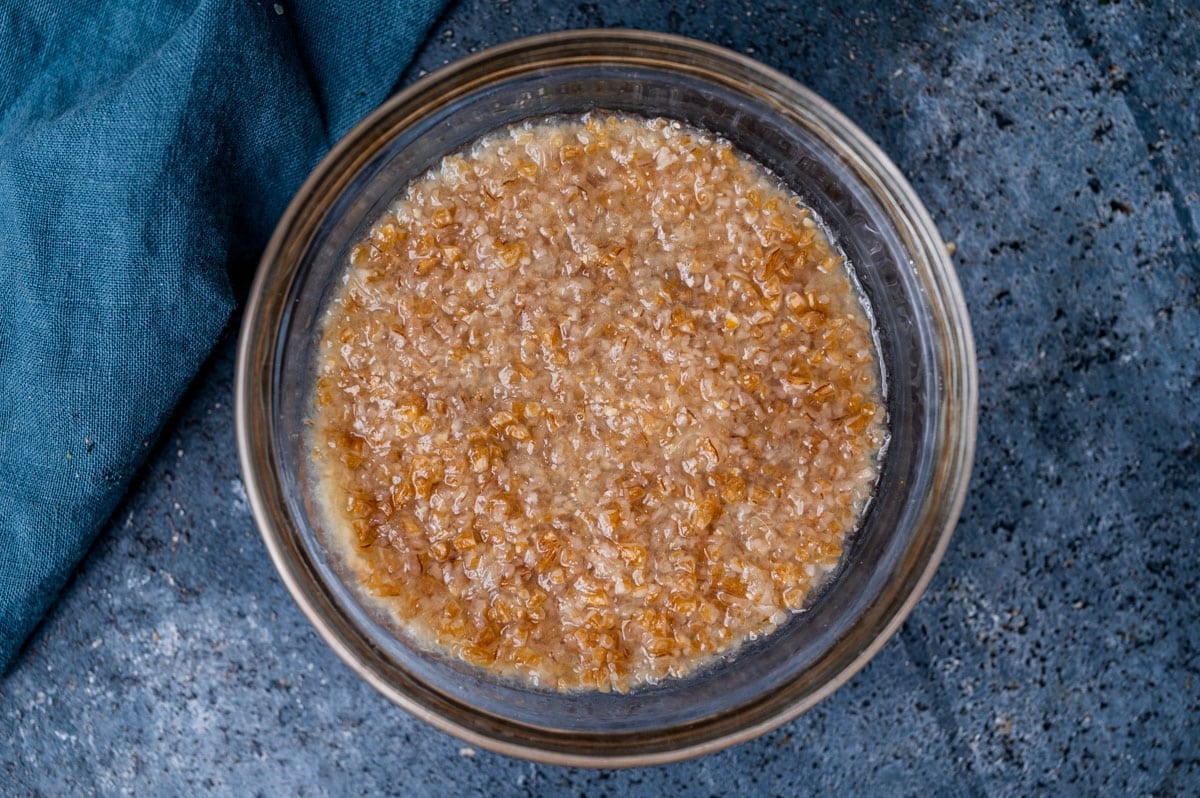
{"type": "Point", "coordinates": [895, 253]}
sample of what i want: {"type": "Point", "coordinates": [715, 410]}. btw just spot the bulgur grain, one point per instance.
{"type": "Point", "coordinates": [596, 403]}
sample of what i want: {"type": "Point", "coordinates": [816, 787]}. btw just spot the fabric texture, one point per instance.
{"type": "Point", "coordinates": [146, 151]}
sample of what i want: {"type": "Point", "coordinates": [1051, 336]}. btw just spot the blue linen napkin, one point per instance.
{"type": "Point", "coordinates": [146, 151]}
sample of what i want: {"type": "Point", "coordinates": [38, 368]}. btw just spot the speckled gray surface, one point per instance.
{"type": "Point", "coordinates": [1056, 651]}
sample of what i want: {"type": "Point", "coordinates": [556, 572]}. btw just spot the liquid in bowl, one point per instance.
{"type": "Point", "coordinates": [597, 403]}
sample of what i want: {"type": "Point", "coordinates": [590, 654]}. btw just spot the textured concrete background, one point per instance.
{"type": "Point", "coordinates": [1056, 650]}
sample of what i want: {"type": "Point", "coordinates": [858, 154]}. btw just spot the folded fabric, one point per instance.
{"type": "Point", "coordinates": [146, 151]}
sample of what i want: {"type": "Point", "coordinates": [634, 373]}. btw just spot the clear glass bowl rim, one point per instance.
{"type": "Point", "coordinates": [265, 311]}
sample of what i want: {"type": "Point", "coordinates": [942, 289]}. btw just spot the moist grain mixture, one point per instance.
{"type": "Point", "coordinates": [597, 403]}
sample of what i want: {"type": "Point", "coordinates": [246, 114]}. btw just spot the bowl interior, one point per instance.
{"type": "Point", "coordinates": [805, 143]}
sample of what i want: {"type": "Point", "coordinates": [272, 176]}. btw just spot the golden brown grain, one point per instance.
{"type": "Point", "coordinates": [596, 403]}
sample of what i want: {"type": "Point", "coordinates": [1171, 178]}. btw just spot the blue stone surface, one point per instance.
{"type": "Point", "coordinates": [1055, 652]}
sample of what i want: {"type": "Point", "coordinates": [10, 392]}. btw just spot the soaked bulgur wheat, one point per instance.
{"type": "Point", "coordinates": [596, 403]}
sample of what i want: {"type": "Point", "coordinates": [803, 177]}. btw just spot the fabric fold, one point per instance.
{"type": "Point", "coordinates": [144, 157]}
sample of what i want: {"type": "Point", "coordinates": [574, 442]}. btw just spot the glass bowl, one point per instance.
{"type": "Point", "coordinates": [895, 254]}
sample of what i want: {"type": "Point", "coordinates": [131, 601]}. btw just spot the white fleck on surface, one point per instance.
{"type": "Point", "coordinates": [241, 504]}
